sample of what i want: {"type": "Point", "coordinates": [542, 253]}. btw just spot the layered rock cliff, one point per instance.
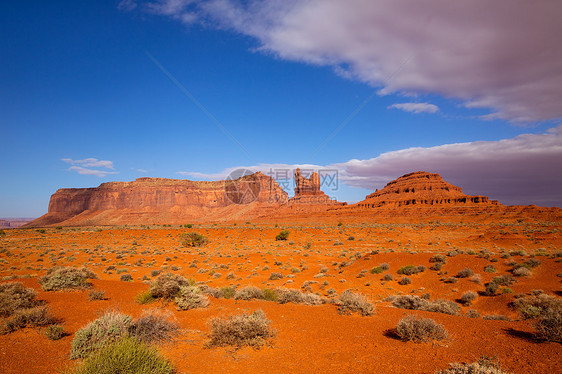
{"type": "Point", "coordinates": [162, 200]}
{"type": "Point", "coordinates": [421, 188]}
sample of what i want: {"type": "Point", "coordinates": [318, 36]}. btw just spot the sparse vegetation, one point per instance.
{"type": "Point", "coordinates": [418, 329]}
{"type": "Point", "coordinates": [14, 296]}
{"type": "Point", "coordinates": [193, 239]}
{"type": "Point", "coordinates": [252, 330]}
{"type": "Point", "coordinates": [350, 302]}
{"type": "Point", "coordinates": [283, 235]}
{"type": "Point", "coordinates": [64, 278]}
{"type": "Point", "coordinates": [190, 297]}
{"type": "Point", "coordinates": [414, 302]}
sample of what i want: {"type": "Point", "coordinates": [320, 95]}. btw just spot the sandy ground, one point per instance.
{"type": "Point", "coordinates": [329, 258]}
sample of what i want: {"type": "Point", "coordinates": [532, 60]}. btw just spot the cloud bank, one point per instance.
{"type": "Point", "coordinates": [520, 170]}
{"type": "Point", "coordinates": [84, 166]}
{"type": "Point", "coordinates": [501, 55]}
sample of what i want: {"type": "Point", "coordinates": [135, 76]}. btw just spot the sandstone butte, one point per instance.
{"type": "Point", "coordinates": [174, 201]}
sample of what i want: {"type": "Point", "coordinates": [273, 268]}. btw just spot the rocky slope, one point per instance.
{"type": "Point", "coordinates": [307, 191]}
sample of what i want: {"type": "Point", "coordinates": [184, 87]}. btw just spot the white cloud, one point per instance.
{"type": "Point", "coordinates": [520, 170]}
{"type": "Point", "coordinates": [81, 166]}
{"type": "Point", "coordinates": [503, 55]}
{"type": "Point", "coordinates": [85, 171]}
{"type": "Point", "coordinates": [90, 162]}
{"type": "Point", "coordinates": [142, 171]}
{"type": "Point", "coordinates": [416, 107]}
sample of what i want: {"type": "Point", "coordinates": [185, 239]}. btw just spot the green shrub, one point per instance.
{"type": "Point", "coordinates": [190, 297]}
{"type": "Point", "coordinates": [193, 239]}
{"type": "Point", "coordinates": [283, 235]}
{"type": "Point", "coordinates": [270, 295]}
{"type": "Point", "coordinates": [126, 356]}
{"type": "Point", "coordinates": [241, 330]}
{"type": "Point", "coordinates": [409, 270]}
{"type": "Point", "coordinates": [63, 278]}
{"type": "Point", "coordinates": [491, 289]}
{"type": "Point", "coordinates": [14, 296]}
{"type": "Point", "coordinates": [275, 276]}
{"type": "Point", "coordinates": [350, 302]}
{"type": "Point", "coordinates": [54, 332]}
{"type": "Point", "coordinates": [490, 269]}
{"type": "Point", "coordinates": [376, 270]}
{"type": "Point", "coordinates": [227, 292]}
{"type": "Point", "coordinates": [418, 329]}
{"type": "Point", "coordinates": [145, 297]}
{"type": "Point", "coordinates": [107, 329]}
{"type": "Point", "coordinates": [533, 306]}
{"type": "Point", "coordinates": [126, 278]}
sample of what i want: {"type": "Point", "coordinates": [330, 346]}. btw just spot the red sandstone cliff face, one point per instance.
{"type": "Point", "coordinates": [168, 200]}
{"type": "Point", "coordinates": [421, 188]}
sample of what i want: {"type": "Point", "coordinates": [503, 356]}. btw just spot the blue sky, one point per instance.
{"type": "Point", "coordinates": [87, 80]}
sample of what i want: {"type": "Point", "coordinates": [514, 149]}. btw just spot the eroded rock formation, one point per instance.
{"type": "Point", "coordinates": [421, 188]}
{"type": "Point", "coordinates": [307, 191]}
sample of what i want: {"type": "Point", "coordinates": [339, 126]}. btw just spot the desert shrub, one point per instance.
{"type": "Point", "coordinates": [549, 325]}
{"type": "Point", "coordinates": [436, 266]}
{"type": "Point", "coordinates": [414, 302]}
{"type": "Point", "coordinates": [409, 270]}
{"type": "Point", "coordinates": [63, 278]}
{"type": "Point", "coordinates": [473, 313]}
{"type": "Point", "coordinates": [350, 302]}
{"type": "Point", "coordinates": [155, 273]}
{"type": "Point", "coordinates": [297, 297]}
{"type": "Point", "coordinates": [21, 318]}
{"type": "Point", "coordinates": [275, 276]}
{"type": "Point", "coordinates": [126, 278]}
{"type": "Point", "coordinates": [521, 272]}
{"type": "Point", "coordinates": [404, 281]}
{"type": "Point", "coordinates": [450, 280]}
{"type": "Point", "coordinates": [193, 239]}
{"type": "Point", "coordinates": [227, 292]}
{"type": "Point", "coordinates": [270, 295]}
{"type": "Point", "coordinates": [418, 329]}
{"type": "Point", "coordinates": [283, 235]}
{"type": "Point", "coordinates": [472, 368]}
{"type": "Point", "coordinates": [376, 270]}
{"type": "Point", "coordinates": [384, 266]}
{"type": "Point", "coordinates": [491, 289]}
{"type": "Point", "coordinates": [387, 277]}
{"type": "Point", "coordinates": [533, 306]}
{"type": "Point", "coordinates": [54, 332]}
{"type": "Point", "coordinates": [126, 356]}
{"type": "Point", "coordinates": [452, 253]}
{"type": "Point", "coordinates": [144, 297]}
{"type": "Point", "coordinates": [490, 269]}
{"type": "Point", "coordinates": [14, 296]}
{"type": "Point", "coordinates": [167, 285]}
{"type": "Point", "coordinates": [465, 273]}
{"type": "Point", "coordinates": [504, 280]}
{"type": "Point", "coordinates": [468, 297]}
{"type": "Point", "coordinates": [190, 297]}
{"type": "Point", "coordinates": [240, 330]}
{"type": "Point", "coordinates": [248, 293]}
{"type": "Point", "coordinates": [438, 259]}
{"type": "Point", "coordinates": [154, 326]}
{"type": "Point", "coordinates": [96, 295]}
{"type": "Point", "coordinates": [107, 329]}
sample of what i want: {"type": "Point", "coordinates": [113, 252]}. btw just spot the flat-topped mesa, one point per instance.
{"type": "Point", "coordinates": [307, 191]}
{"type": "Point", "coordinates": [421, 188]}
{"type": "Point", "coordinates": [170, 199]}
